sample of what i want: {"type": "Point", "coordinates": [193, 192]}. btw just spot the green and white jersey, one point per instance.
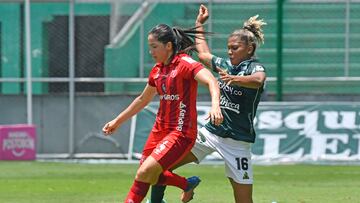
{"type": "Point", "coordinates": [238, 104]}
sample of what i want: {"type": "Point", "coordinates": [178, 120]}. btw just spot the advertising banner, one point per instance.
{"type": "Point", "coordinates": [288, 132]}
{"type": "Point", "coordinates": [17, 142]}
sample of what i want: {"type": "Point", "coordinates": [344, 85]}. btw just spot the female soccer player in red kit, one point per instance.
{"type": "Point", "coordinates": [174, 78]}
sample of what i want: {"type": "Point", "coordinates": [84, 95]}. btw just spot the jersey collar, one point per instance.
{"type": "Point", "coordinates": [234, 70]}
{"type": "Point", "coordinates": [173, 61]}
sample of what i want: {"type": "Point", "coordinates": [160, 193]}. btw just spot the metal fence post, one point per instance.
{"type": "Point", "coordinates": [279, 50]}
{"type": "Point", "coordinates": [71, 76]}
{"type": "Point", "coordinates": [29, 104]}
{"type": "Point", "coordinates": [347, 39]}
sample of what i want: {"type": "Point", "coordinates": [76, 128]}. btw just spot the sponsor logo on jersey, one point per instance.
{"type": "Point", "coordinates": [226, 104]}
{"type": "Point", "coordinates": [169, 97]}
{"type": "Point", "coordinates": [173, 73]}
{"type": "Point", "coordinates": [226, 88]}
{"type": "Point", "coordinates": [182, 112]}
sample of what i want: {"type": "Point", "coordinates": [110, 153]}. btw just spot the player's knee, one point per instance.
{"type": "Point", "coordinates": [147, 174]}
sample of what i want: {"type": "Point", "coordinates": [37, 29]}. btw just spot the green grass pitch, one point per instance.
{"type": "Point", "coordinates": [50, 182]}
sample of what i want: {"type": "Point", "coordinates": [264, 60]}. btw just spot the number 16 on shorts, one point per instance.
{"type": "Point", "coordinates": [242, 163]}
{"type": "Point", "coordinates": [243, 166]}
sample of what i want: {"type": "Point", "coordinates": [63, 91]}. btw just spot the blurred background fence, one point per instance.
{"type": "Point", "coordinates": [68, 66]}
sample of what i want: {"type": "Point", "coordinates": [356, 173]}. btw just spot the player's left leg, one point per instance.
{"type": "Point", "coordinates": [157, 191]}
{"type": "Point", "coordinates": [242, 192]}
{"type": "Point", "coordinates": [155, 162]}
{"type": "Point", "coordinates": [148, 171]}
{"type": "Point", "coordinates": [238, 166]}
{"type": "Point", "coordinates": [147, 174]}
{"type": "Point", "coordinates": [239, 170]}
{"type": "Point", "coordinates": [201, 149]}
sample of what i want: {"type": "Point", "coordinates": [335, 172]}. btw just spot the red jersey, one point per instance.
{"type": "Point", "coordinates": [177, 88]}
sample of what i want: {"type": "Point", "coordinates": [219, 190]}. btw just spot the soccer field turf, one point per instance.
{"type": "Point", "coordinates": [51, 182]}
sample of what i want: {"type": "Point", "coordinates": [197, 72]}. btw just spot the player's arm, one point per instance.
{"type": "Point", "coordinates": [137, 105]}
{"type": "Point", "coordinates": [202, 47]}
{"type": "Point", "coordinates": [255, 80]}
{"type": "Point", "coordinates": [205, 77]}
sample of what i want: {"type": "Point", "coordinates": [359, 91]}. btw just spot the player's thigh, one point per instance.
{"type": "Point", "coordinates": [242, 192]}
{"type": "Point", "coordinates": [237, 158]}
{"type": "Point", "coordinates": [238, 168]}
{"type": "Point", "coordinates": [172, 149]}
{"type": "Point", "coordinates": [153, 140]}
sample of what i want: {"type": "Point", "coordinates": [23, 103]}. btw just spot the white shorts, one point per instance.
{"type": "Point", "coordinates": [236, 154]}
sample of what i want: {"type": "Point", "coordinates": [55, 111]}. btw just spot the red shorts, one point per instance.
{"type": "Point", "coordinates": [167, 149]}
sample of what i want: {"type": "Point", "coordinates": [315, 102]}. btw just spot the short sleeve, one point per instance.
{"type": "Point", "coordinates": [192, 66]}
{"type": "Point", "coordinates": [218, 62]}
{"type": "Point", "coordinates": [258, 68]}
{"type": "Point", "coordinates": [152, 75]}
{"type": "Point", "coordinates": [196, 68]}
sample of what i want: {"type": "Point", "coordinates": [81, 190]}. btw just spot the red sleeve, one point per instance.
{"type": "Point", "coordinates": [151, 80]}
{"type": "Point", "coordinates": [197, 67]}
{"type": "Point", "coordinates": [192, 66]}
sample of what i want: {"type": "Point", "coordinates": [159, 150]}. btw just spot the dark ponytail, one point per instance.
{"type": "Point", "coordinates": [181, 39]}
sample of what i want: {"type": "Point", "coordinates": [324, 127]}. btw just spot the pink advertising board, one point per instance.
{"type": "Point", "coordinates": [17, 142]}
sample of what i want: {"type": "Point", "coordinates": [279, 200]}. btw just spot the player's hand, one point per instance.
{"type": "Point", "coordinates": [203, 14]}
{"type": "Point", "coordinates": [220, 70]}
{"type": "Point", "coordinates": [215, 115]}
{"type": "Point", "coordinates": [224, 76]}
{"type": "Point", "coordinates": [110, 127]}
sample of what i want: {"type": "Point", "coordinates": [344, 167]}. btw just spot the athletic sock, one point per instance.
{"type": "Point", "coordinates": [157, 193]}
{"type": "Point", "coordinates": [137, 192]}
{"type": "Point", "coordinates": [169, 178]}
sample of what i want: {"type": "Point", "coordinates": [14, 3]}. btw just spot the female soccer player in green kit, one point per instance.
{"type": "Point", "coordinates": [241, 81]}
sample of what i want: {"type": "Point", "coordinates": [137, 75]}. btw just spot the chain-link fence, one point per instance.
{"type": "Point", "coordinates": [320, 39]}
{"type": "Point", "coordinates": [83, 54]}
